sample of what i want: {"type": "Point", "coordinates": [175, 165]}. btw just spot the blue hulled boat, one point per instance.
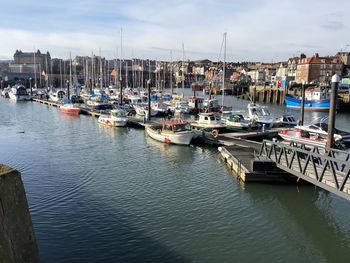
{"type": "Point", "coordinates": [315, 100]}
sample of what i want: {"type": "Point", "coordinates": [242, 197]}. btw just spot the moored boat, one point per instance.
{"type": "Point", "coordinates": [315, 100]}
{"type": "Point", "coordinates": [19, 93]}
{"type": "Point", "coordinates": [142, 110]}
{"type": "Point", "coordinates": [237, 122]}
{"type": "Point", "coordinates": [208, 122]}
{"type": "Point", "coordinates": [57, 95]}
{"type": "Point", "coordinates": [315, 134]}
{"type": "Point", "coordinates": [116, 118]}
{"type": "Point", "coordinates": [69, 108]}
{"type": "Point", "coordinates": [171, 131]}
{"type": "Point", "coordinates": [262, 116]}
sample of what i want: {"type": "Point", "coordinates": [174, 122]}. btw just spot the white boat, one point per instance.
{"type": "Point", "coordinates": [57, 95]}
{"type": "Point", "coordinates": [171, 131]}
{"type": "Point", "coordinates": [211, 105]}
{"type": "Point", "coordinates": [237, 122]}
{"type": "Point", "coordinates": [19, 93]}
{"type": "Point", "coordinates": [315, 134]}
{"type": "Point", "coordinates": [289, 120]}
{"type": "Point", "coordinates": [159, 107]}
{"type": "Point", "coordinates": [142, 110]}
{"type": "Point", "coordinates": [116, 118]}
{"type": "Point", "coordinates": [5, 92]}
{"type": "Point", "coordinates": [261, 115]}
{"type": "Point", "coordinates": [208, 121]}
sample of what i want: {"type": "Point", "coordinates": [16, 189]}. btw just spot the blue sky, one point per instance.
{"type": "Point", "coordinates": [257, 30]}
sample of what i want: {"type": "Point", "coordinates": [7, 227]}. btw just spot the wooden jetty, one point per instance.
{"type": "Point", "coordinates": [245, 164]}
{"type": "Point", "coordinates": [47, 102]}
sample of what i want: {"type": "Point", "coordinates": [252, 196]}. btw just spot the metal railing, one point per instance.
{"type": "Point", "coordinates": [327, 168]}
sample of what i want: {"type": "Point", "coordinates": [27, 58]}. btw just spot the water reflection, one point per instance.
{"type": "Point", "coordinates": [311, 226]}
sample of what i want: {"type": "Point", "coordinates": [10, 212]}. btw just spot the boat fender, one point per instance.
{"type": "Point", "coordinates": [215, 133]}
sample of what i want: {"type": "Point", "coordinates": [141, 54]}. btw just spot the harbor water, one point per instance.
{"type": "Point", "coordinates": [100, 194]}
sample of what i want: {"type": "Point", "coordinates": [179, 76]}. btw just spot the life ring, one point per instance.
{"type": "Point", "coordinates": [215, 133]}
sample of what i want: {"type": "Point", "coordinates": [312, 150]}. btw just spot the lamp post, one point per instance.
{"type": "Point", "coordinates": [332, 110]}
{"type": "Point", "coordinates": [68, 95]}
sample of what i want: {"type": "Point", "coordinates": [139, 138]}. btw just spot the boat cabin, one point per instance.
{"type": "Point", "coordinates": [135, 100]}
{"type": "Point", "coordinates": [118, 113]}
{"type": "Point", "coordinates": [316, 94]}
{"type": "Point", "coordinates": [176, 126]}
{"type": "Point", "coordinates": [211, 104]}
{"type": "Point", "coordinates": [208, 118]}
{"type": "Point", "coordinates": [196, 103]}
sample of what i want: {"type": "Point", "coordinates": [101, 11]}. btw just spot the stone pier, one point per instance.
{"type": "Point", "coordinates": [17, 238]}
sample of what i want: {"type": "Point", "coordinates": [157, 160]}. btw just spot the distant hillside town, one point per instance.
{"type": "Point", "coordinates": [43, 71]}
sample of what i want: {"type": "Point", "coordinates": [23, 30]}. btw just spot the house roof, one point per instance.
{"type": "Point", "coordinates": [320, 60]}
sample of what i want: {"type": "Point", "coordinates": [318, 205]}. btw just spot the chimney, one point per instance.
{"type": "Point", "coordinates": [316, 55]}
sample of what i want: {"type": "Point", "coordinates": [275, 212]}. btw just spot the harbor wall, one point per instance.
{"type": "Point", "coordinates": [17, 238]}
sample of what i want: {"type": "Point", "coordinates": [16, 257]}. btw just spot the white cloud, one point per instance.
{"type": "Point", "coordinates": [257, 30]}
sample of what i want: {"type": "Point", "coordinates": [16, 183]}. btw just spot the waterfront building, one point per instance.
{"type": "Point", "coordinates": [24, 62]}
{"type": "Point", "coordinates": [318, 69]}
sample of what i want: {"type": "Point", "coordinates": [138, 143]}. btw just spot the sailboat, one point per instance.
{"type": "Point", "coordinates": [68, 106]}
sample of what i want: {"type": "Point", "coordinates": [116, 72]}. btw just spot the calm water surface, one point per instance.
{"type": "Point", "coordinates": [98, 194]}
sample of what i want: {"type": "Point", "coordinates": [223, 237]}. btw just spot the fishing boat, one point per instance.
{"type": "Point", "coordinates": [171, 131]}
{"type": "Point", "coordinates": [315, 100]}
{"type": "Point", "coordinates": [19, 93]}
{"type": "Point", "coordinates": [208, 122]}
{"type": "Point", "coordinates": [315, 134]}
{"type": "Point", "coordinates": [116, 118]}
{"type": "Point", "coordinates": [69, 108]}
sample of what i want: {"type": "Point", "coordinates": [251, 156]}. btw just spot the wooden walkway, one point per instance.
{"type": "Point", "coordinates": [231, 138]}
{"type": "Point", "coordinates": [323, 167]}
{"type": "Point", "coordinates": [244, 165]}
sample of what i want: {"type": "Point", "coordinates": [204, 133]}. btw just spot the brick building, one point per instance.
{"type": "Point", "coordinates": [318, 69]}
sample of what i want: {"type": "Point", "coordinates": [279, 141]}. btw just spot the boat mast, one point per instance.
{"type": "Point", "coordinates": [34, 69]}
{"type": "Point", "coordinates": [92, 71]}
{"type": "Point", "coordinates": [120, 68]}
{"type": "Point", "coordinates": [142, 73]}
{"type": "Point", "coordinates": [101, 75]}
{"type": "Point", "coordinates": [183, 70]}
{"type": "Point", "coordinates": [46, 72]}
{"type": "Point", "coordinates": [223, 75]}
{"type": "Point", "coordinates": [70, 73]}
{"type": "Point", "coordinates": [61, 78]}
{"type": "Point", "coordinates": [171, 72]}
{"type": "Point", "coordinates": [115, 68]}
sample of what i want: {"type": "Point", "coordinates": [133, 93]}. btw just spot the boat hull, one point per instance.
{"type": "Point", "coordinates": [181, 138]}
{"type": "Point", "coordinates": [19, 97]}
{"type": "Point", "coordinates": [292, 136]}
{"type": "Point", "coordinates": [310, 105]}
{"type": "Point", "coordinates": [112, 122]}
{"type": "Point", "coordinates": [70, 111]}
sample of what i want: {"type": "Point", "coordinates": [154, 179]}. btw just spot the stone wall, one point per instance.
{"type": "Point", "coordinates": [17, 238]}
